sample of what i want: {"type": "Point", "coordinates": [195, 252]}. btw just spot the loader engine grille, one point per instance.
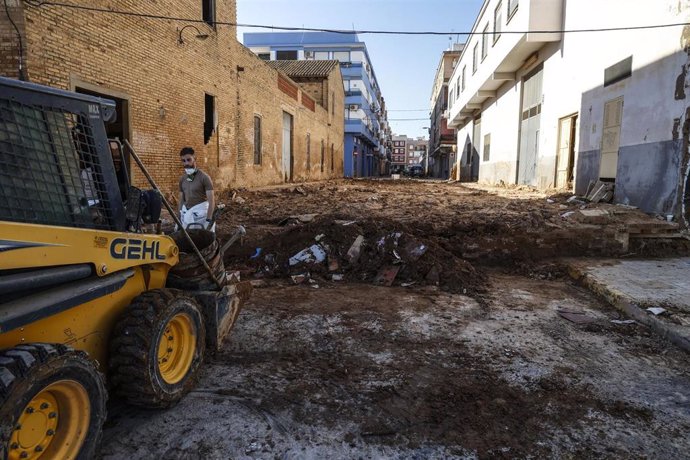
{"type": "Point", "coordinates": [50, 171]}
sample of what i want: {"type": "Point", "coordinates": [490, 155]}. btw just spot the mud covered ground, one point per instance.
{"type": "Point", "coordinates": [464, 356]}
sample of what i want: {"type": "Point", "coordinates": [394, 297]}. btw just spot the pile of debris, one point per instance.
{"type": "Point", "coordinates": [308, 248]}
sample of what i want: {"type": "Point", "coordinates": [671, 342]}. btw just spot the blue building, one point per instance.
{"type": "Point", "coordinates": [367, 146]}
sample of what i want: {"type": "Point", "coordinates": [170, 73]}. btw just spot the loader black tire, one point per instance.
{"type": "Point", "coordinates": [139, 374]}
{"type": "Point", "coordinates": [59, 397]}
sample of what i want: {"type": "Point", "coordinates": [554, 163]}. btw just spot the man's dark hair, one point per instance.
{"type": "Point", "coordinates": [186, 151]}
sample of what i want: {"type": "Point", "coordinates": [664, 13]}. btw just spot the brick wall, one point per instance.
{"type": "Point", "coordinates": [164, 84]}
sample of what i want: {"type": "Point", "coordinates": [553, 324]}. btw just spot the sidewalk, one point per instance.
{"type": "Point", "coordinates": [632, 286]}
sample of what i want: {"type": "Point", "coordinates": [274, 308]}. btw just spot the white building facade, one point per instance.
{"type": "Point", "coordinates": [538, 98]}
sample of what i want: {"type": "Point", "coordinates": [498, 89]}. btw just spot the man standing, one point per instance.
{"type": "Point", "coordinates": [197, 202]}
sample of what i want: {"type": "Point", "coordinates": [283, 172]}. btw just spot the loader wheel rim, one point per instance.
{"type": "Point", "coordinates": [54, 424]}
{"type": "Point", "coordinates": [176, 348]}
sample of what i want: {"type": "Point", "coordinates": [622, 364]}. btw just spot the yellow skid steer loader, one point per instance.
{"type": "Point", "coordinates": [85, 303]}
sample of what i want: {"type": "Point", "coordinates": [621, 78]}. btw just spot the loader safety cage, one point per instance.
{"type": "Point", "coordinates": [57, 167]}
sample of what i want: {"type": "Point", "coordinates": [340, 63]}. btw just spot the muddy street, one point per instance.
{"type": "Point", "coordinates": [451, 330]}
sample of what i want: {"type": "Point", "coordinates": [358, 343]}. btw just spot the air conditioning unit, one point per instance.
{"type": "Point", "coordinates": [308, 55]}
{"type": "Point", "coordinates": [353, 107]}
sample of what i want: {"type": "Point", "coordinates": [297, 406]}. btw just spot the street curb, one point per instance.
{"type": "Point", "coordinates": [677, 335]}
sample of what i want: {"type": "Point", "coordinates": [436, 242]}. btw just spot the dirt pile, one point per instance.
{"type": "Point", "coordinates": [462, 228]}
{"type": "Point", "coordinates": [369, 250]}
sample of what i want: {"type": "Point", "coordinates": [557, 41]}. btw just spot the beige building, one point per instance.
{"type": "Point", "coordinates": [179, 83]}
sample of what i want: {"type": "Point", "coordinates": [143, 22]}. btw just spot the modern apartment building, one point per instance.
{"type": "Point", "coordinates": [442, 140]}
{"type": "Point", "coordinates": [366, 151]}
{"type": "Point", "coordinates": [549, 107]}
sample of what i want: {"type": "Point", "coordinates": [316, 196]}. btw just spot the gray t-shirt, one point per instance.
{"type": "Point", "coordinates": [194, 190]}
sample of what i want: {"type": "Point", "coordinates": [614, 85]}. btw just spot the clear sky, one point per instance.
{"type": "Point", "coordinates": [405, 66]}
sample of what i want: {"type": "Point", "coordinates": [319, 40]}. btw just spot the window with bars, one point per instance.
{"type": "Point", "coordinates": [257, 140]}
{"type": "Point", "coordinates": [485, 41]}
{"type": "Point", "coordinates": [51, 172]}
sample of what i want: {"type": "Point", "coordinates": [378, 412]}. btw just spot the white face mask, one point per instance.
{"type": "Point", "coordinates": [189, 171]}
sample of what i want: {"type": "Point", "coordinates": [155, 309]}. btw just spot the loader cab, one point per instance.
{"type": "Point", "coordinates": [57, 165]}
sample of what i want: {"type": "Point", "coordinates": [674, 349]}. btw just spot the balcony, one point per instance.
{"type": "Point", "coordinates": [505, 56]}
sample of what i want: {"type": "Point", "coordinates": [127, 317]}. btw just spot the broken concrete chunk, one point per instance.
{"type": "Point", "coordinates": [337, 277]}
{"type": "Point", "coordinates": [354, 252]}
{"type": "Point", "coordinates": [656, 311]}
{"type": "Point", "coordinates": [623, 321]}
{"type": "Point", "coordinates": [594, 212]}
{"type": "Point", "coordinates": [576, 317]}
{"type": "Point", "coordinates": [301, 278]}
{"type": "Point", "coordinates": [314, 253]}
{"type": "Point", "coordinates": [386, 275]}
{"type": "Point", "coordinates": [344, 223]}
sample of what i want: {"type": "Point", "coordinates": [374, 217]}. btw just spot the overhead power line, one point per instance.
{"type": "Point", "coordinates": [341, 31]}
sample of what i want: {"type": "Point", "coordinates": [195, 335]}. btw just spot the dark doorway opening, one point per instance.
{"type": "Point", "coordinates": [119, 129]}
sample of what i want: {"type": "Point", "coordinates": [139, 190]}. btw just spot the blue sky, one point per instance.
{"type": "Point", "coordinates": [405, 65]}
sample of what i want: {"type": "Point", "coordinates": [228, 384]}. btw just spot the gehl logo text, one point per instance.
{"type": "Point", "coordinates": [130, 248]}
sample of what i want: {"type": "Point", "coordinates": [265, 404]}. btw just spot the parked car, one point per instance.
{"type": "Point", "coordinates": [416, 171]}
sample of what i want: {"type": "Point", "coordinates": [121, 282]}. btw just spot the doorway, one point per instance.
{"type": "Point", "coordinates": [118, 129]}
{"type": "Point", "coordinates": [565, 160]}
{"type": "Point", "coordinates": [610, 138]}
{"type": "Point", "coordinates": [287, 147]}
{"type": "Point", "coordinates": [474, 153]}
{"type": "Point", "coordinates": [529, 127]}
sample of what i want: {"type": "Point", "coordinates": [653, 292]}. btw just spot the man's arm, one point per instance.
{"type": "Point", "coordinates": [180, 201]}
{"type": "Point", "coordinates": [211, 204]}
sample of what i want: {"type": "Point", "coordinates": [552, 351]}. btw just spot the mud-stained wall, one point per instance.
{"type": "Point", "coordinates": [653, 146]}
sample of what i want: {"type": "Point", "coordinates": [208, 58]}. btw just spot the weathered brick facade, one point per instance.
{"type": "Point", "coordinates": [162, 86]}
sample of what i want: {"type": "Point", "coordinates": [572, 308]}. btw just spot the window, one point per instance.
{"type": "Point", "coordinates": [487, 147]}
{"type": "Point", "coordinates": [323, 148]}
{"type": "Point", "coordinates": [462, 84]}
{"type": "Point", "coordinates": [209, 117]}
{"type": "Point", "coordinates": [321, 55]}
{"type": "Point", "coordinates": [332, 158]}
{"type": "Point", "coordinates": [342, 56]}
{"type": "Point", "coordinates": [264, 56]}
{"type": "Point", "coordinates": [308, 152]}
{"type": "Point", "coordinates": [498, 21]}
{"type": "Point", "coordinates": [475, 56]}
{"type": "Point", "coordinates": [485, 41]}
{"type": "Point", "coordinates": [208, 11]}
{"type": "Point", "coordinates": [512, 6]}
{"type": "Point", "coordinates": [290, 55]}
{"type": "Point", "coordinates": [451, 97]}
{"type": "Point", "coordinates": [257, 140]}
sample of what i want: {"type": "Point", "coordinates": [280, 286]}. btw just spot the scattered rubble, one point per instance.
{"type": "Point", "coordinates": [438, 234]}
